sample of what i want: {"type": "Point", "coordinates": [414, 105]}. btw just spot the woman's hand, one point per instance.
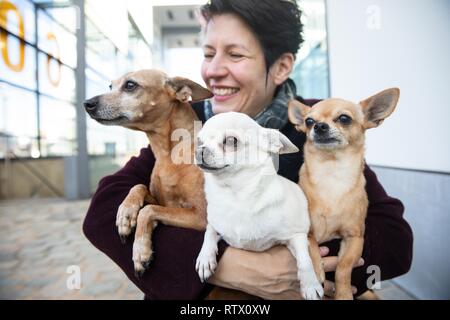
{"type": "Point", "coordinates": [270, 275]}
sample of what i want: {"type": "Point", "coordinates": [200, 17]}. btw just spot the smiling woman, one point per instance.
{"type": "Point", "coordinates": [226, 65]}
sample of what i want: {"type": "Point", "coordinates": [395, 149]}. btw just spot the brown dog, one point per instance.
{"type": "Point", "coordinates": [332, 174]}
{"type": "Point", "coordinates": [150, 101]}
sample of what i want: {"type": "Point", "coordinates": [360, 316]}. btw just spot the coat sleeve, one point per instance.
{"type": "Point", "coordinates": [388, 238]}
{"type": "Point", "coordinates": [171, 274]}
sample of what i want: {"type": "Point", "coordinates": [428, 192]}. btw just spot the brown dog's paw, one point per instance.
{"type": "Point", "coordinates": [126, 219]}
{"type": "Point", "coordinates": [142, 255]}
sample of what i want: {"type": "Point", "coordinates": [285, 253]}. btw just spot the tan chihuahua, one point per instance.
{"type": "Point", "coordinates": [332, 174]}
{"type": "Point", "coordinates": [150, 101]}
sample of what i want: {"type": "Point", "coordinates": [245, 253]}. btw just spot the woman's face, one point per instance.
{"type": "Point", "coordinates": [233, 67]}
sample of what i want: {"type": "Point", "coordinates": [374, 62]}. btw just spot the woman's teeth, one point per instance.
{"type": "Point", "coordinates": [224, 92]}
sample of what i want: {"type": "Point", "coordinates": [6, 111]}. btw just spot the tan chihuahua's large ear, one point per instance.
{"type": "Point", "coordinates": [379, 107]}
{"type": "Point", "coordinates": [185, 88]}
{"type": "Point", "coordinates": [297, 112]}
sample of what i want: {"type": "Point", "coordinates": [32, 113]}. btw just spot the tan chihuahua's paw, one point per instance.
{"type": "Point", "coordinates": [343, 294]}
{"type": "Point", "coordinates": [142, 255]}
{"type": "Point", "coordinates": [205, 265]}
{"type": "Point", "coordinates": [126, 219]}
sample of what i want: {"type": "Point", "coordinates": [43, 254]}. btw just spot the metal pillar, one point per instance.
{"type": "Point", "coordinates": [81, 178]}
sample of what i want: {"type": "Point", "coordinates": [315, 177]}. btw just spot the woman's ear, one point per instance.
{"type": "Point", "coordinates": [282, 68]}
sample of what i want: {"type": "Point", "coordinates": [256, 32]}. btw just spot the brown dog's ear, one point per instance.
{"type": "Point", "coordinates": [379, 107]}
{"type": "Point", "coordinates": [297, 112]}
{"type": "Point", "coordinates": [185, 88]}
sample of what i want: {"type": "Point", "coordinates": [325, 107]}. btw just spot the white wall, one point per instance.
{"type": "Point", "coordinates": [377, 44]}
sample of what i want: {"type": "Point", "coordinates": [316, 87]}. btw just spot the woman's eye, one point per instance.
{"type": "Point", "coordinates": [230, 142]}
{"type": "Point", "coordinates": [208, 55]}
{"type": "Point", "coordinates": [344, 119]}
{"type": "Point", "coordinates": [130, 86]}
{"type": "Point", "coordinates": [236, 55]}
{"type": "Point", "coordinates": [309, 122]}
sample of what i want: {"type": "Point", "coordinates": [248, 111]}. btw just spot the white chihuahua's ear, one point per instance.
{"type": "Point", "coordinates": [297, 112]}
{"type": "Point", "coordinates": [277, 142]}
{"type": "Point", "coordinates": [379, 107]}
{"type": "Point", "coordinates": [185, 88]}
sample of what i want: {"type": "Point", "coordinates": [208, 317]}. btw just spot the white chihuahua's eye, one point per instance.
{"type": "Point", "coordinates": [309, 122]}
{"type": "Point", "coordinates": [344, 119]}
{"type": "Point", "coordinates": [230, 142]}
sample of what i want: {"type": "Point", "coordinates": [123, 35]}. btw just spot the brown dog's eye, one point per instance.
{"type": "Point", "coordinates": [344, 119]}
{"type": "Point", "coordinates": [230, 142]}
{"type": "Point", "coordinates": [309, 122]}
{"type": "Point", "coordinates": [130, 86]}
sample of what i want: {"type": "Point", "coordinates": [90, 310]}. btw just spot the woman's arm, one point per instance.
{"type": "Point", "coordinates": [273, 274]}
{"type": "Point", "coordinates": [171, 275]}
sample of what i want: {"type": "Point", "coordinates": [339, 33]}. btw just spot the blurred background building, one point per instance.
{"type": "Point", "coordinates": [54, 54]}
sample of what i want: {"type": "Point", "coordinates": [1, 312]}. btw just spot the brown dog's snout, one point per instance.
{"type": "Point", "coordinates": [321, 128]}
{"type": "Point", "coordinates": [91, 104]}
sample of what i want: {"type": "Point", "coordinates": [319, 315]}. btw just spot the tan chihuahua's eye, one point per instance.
{"type": "Point", "coordinates": [309, 122]}
{"type": "Point", "coordinates": [344, 119]}
{"type": "Point", "coordinates": [230, 142]}
{"type": "Point", "coordinates": [130, 86]}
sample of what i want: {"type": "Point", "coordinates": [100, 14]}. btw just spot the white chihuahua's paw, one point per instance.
{"type": "Point", "coordinates": [206, 264]}
{"type": "Point", "coordinates": [311, 289]}
{"type": "Point", "coordinates": [126, 219]}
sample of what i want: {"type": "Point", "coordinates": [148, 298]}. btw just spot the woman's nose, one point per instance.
{"type": "Point", "coordinates": [216, 67]}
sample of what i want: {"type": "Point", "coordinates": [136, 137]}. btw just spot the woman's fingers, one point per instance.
{"type": "Point", "coordinates": [324, 251]}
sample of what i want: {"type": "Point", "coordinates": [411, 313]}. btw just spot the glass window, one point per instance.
{"type": "Point", "coordinates": [100, 51]}
{"type": "Point", "coordinates": [311, 69]}
{"type": "Point", "coordinates": [18, 122]}
{"type": "Point", "coordinates": [18, 62]}
{"type": "Point", "coordinates": [56, 79]}
{"type": "Point", "coordinates": [57, 120]}
{"type": "Point", "coordinates": [18, 111]}
{"type": "Point", "coordinates": [20, 147]}
{"type": "Point", "coordinates": [65, 16]}
{"type": "Point", "coordinates": [55, 40]}
{"type": "Point", "coordinates": [95, 84]}
{"type": "Point", "coordinates": [17, 16]}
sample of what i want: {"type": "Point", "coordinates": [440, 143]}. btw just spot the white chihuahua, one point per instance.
{"type": "Point", "coordinates": [249, 205]}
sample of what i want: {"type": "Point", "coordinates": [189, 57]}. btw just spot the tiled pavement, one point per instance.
{"type": "Point", "coordinates": [41, 238]}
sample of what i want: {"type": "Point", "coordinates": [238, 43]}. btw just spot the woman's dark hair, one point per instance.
{"type": "Point", "coordinates": [275, 23]}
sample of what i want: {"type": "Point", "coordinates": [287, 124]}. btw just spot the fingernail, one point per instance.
{"type": "Point", "coordinates": [361, 262]}
{"type": "Point", "coordinates": [354, 290]}
{"type": "Point", "coordinates": [324, 251]}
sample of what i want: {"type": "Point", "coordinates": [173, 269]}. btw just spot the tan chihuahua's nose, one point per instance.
{"type": "Point", "coordinates": [91, 104]}
{"type": "Point", "coordinates": [321, 128]}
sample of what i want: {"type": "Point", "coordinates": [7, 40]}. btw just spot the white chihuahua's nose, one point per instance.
{"type": "Point", "coordinates": [202, 154]}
